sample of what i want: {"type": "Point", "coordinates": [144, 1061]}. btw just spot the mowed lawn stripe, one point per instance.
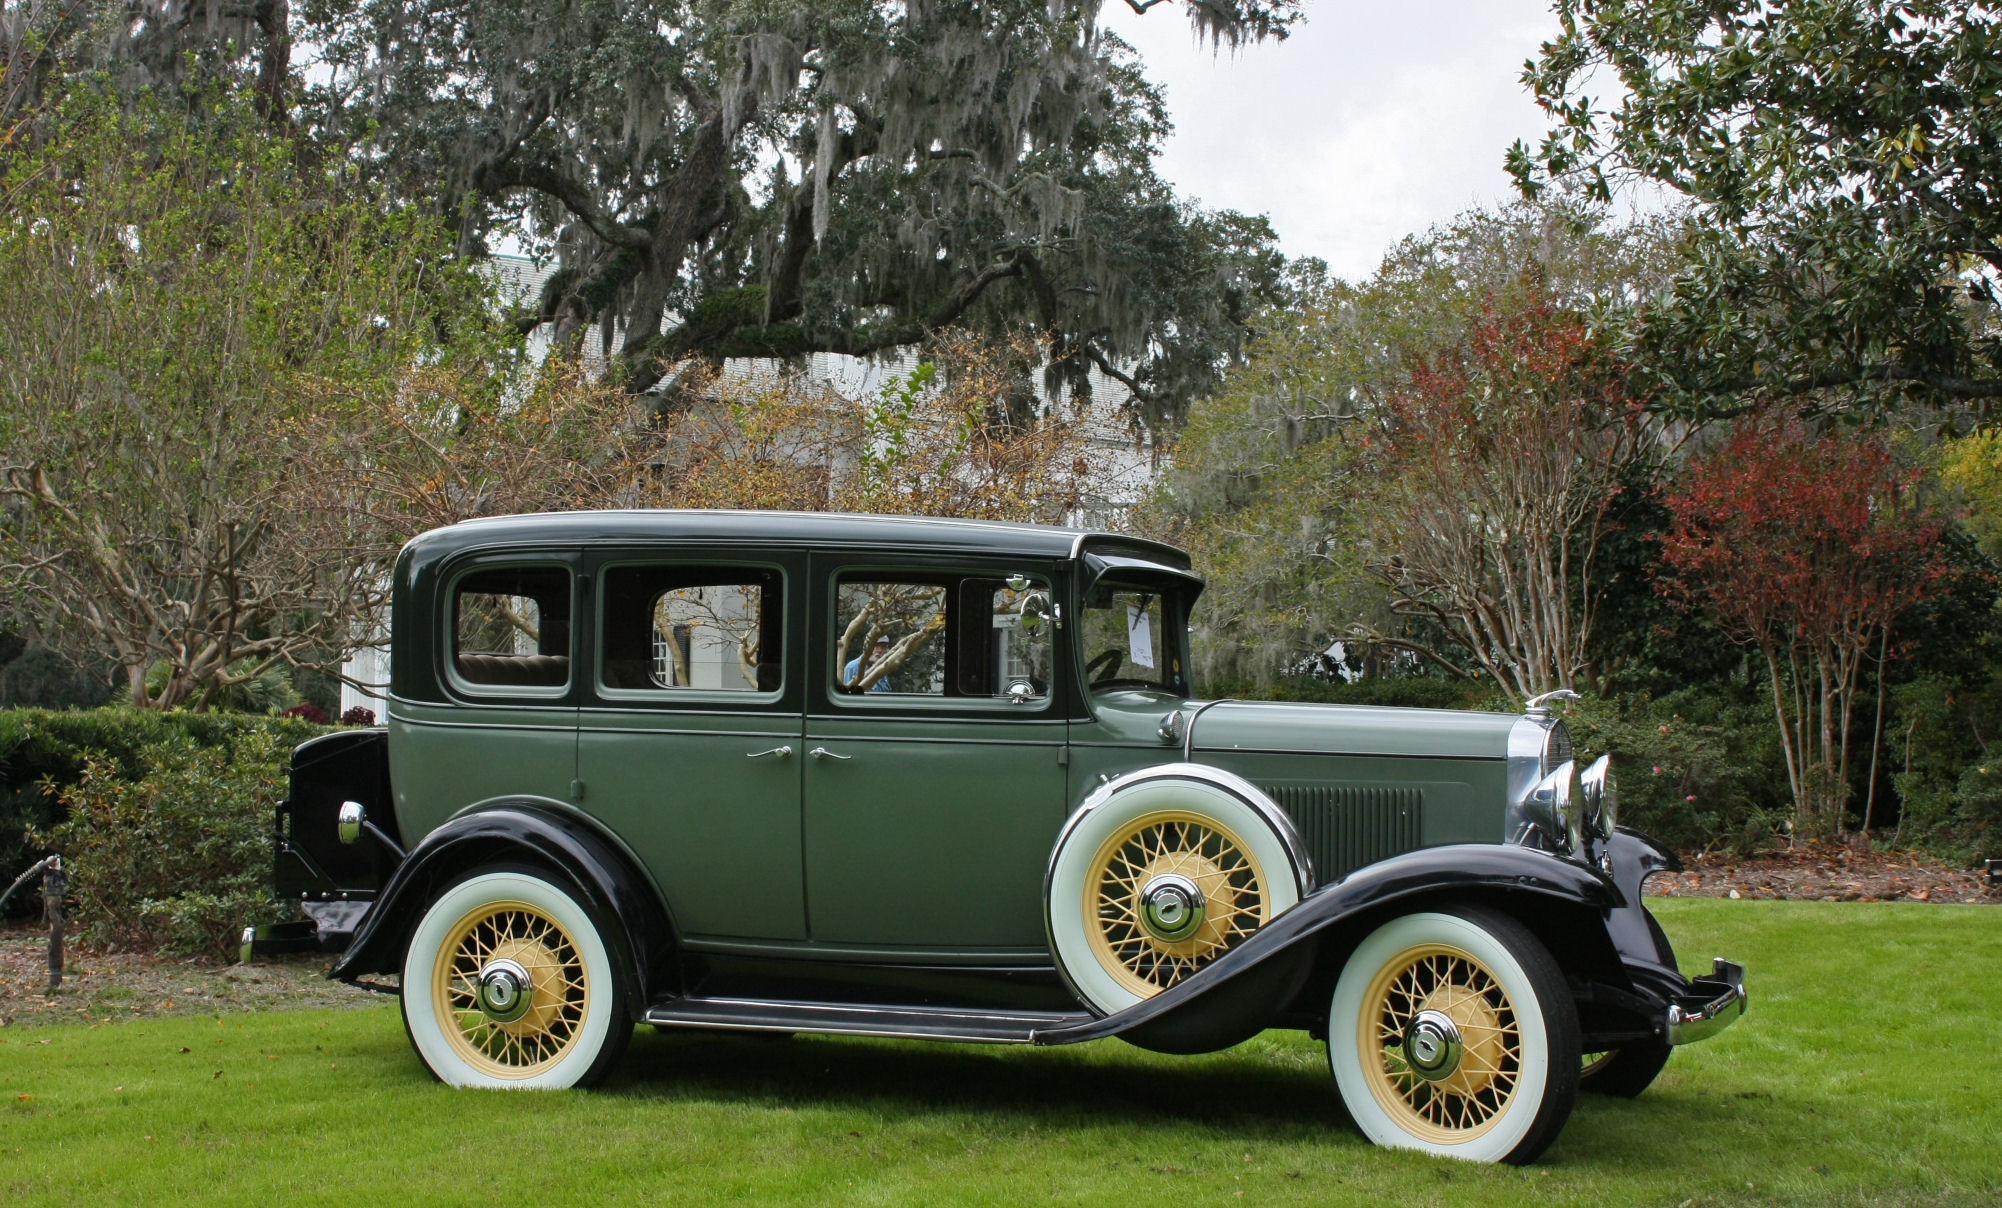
{"type": "Point", "coordinates": [1866, 1074]}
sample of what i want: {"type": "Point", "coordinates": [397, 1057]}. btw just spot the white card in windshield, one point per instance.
{"type": "Point", "coordinates": [1139, 637]}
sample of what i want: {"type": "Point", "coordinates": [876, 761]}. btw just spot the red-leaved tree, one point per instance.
{"type": "Point", "coordinates": [1807, 548]}
{"type": "Point", "coordinates": [1500, 461]}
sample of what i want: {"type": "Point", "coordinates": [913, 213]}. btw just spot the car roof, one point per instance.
{"type": "Point", "coordinates": [797, 529]}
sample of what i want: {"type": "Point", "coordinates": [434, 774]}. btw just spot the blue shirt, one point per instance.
{"type": "Point", "coordinates": [853, 670]}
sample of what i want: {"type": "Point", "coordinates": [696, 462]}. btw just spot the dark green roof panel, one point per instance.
{"type": "Point", "coordinates": [802, 530]}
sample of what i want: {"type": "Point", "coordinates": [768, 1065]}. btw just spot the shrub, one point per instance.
{"type": "Point", "coordinates": [42, 749]}
{"type": "Point", "coordinates": [178, 856]}
{"type": "Point", "coordinates": [1697, 768]}
{"type": "Point", "coordinates": [358, 716]}
{"type": "Point", "coordinates": [1949, 781]}
{"type": "Point", "coordinates": [308, 712]}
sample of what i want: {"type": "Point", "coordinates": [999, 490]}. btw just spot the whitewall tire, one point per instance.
{"type": "Point", "coordinates": [508, 983]}
{"type": "Point", "coordinates": [1162, 872]}
{"type": "Point", "coordinates": [1455, 1033]}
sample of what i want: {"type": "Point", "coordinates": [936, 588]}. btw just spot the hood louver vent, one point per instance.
{"type": "Point", "coordinates": [1346, 828]}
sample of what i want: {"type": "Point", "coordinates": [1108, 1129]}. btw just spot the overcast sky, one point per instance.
{"type": "Point", "coordinates": [1372, 122]}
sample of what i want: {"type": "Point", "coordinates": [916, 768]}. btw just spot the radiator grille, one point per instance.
{"type": "Point", "coordinates": [1345, 828]}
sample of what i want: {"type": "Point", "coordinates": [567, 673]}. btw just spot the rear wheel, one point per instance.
{"type": "Point", "coordinates": [1455, 1033]}
{"type": "Point", "coordinates": [508, 983]}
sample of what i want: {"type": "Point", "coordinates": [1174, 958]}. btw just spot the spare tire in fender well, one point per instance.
{"type": "Point", "coordinates": [1553, 897]}
{"type": "Point", "coordinates": [611, 888]}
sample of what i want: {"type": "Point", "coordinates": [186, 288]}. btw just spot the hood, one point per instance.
{"type": "Point", "coordinates": [1350, 729]}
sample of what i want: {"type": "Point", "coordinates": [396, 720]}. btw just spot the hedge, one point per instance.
{"type": "Point", "coordinates": [42, 749]}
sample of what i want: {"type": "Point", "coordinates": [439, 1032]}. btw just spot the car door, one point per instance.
{"type": "Point", "coordinates": [934, 774]}
{"type": "Point", "coordinates": [689, 748]}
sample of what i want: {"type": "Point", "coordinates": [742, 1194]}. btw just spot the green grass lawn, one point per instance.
{"type": "Point", "coordinates": [1869, 1072]}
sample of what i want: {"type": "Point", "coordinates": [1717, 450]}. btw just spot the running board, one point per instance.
{"type": "Point", "coordinates": [856, 1019]}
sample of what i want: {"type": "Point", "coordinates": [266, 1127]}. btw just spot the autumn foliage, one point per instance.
{"type": "Point", "coordinates": [1808, 548]}
{"type": "Point", "coordinates": [1502, 457]}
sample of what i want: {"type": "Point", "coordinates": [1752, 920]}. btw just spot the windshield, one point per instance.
{"type": "Point", "coordinates": [1132, 638]}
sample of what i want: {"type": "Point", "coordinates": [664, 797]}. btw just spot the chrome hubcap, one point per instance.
{"type": "Point", "coordinates": [503, 991]}
{"type": "Point", "coordinates": [1172, 907]}
{"type": "Point", "coordinates": [1432, 1046]}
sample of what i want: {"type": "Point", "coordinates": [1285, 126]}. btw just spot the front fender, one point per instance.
{"type": "Point", "coordinates": [1473, 869]}
{"type": "Point", "coordinates": [635, 925]}
{"type": "Point", "coordinates": [1643, 947]}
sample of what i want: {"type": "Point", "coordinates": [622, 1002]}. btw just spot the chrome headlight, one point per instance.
{"type": "Point", "coordinates": [1555, 806]}
{"type": "Point", "coordinates": [1602, 799]}
{"type": "Point", "coordinates": [1556, 746]}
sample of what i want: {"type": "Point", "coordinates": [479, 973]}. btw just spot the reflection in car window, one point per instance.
{"type": "Point", "coordinates": [1000, 652]}
{"type": "Point", "coordinates": [709, 628]}
{"type": "Point", "coordinates": [949, 636]}
{"type": "Point", "coordinates": [1126, 641]}
{"type": "Point", "coordinates": [888, 637]}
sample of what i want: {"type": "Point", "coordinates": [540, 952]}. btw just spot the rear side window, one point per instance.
{"type": "Point", "coordinates": [511, 627]}
{"type": "Point", "coordinates": [683, 628]}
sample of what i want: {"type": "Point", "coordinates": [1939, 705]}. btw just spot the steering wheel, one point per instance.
{"type": "Point", "coordinates": [1110, 660]}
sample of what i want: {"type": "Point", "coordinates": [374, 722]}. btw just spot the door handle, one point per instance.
{"type": "Point", "coordinates": [781, 752]}
{"type": "Point", "coordinates": [824, 753]}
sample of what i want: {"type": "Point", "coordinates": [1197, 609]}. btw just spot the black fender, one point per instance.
{"type": "Point", "coordinates": [1523, 880]}
{"type": "Point", "coordinates": [1644, 949]}
{"type": "Point", "coordinates": [630, 916]}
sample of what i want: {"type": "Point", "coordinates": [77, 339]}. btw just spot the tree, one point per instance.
{"type": "Point", "coordinates": [937, 440]}
{"type": "Point", "coordinates": [1500, 461]}
{"type": "Point", "coordinates": [1973, 465]}
{"type": "Point", "coordinates": [758, 179]}
{"type": "Point", "coordinates": [230, 388]}
{"type": "Point", "coordinates": [1282, 482]}
{"type": "Point", "coordinates": [1842, 154]}
{"type": "Point", "coordinates": [1807, 549]}
{"type": "Point", "coordinates": [753, 178]}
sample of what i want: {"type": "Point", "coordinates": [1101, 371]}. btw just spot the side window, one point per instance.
{"type": "Point", "coordinates": [963, 636]}
{"type": "Point", "coordinates": [693, 628]}
{"type": "Point", "coordinates": [511, 627]}
{"type": "Point", "coordinates": [889, 637]}
{"type": "Point", "coordinates": [1006, 642]}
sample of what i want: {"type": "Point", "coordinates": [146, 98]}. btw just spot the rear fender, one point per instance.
{"type": "Point", "coordinates": [1565, 903]}
{"type": "Point", "coordinates": [629, 915]}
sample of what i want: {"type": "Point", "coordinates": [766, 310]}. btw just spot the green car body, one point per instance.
{"type": "Point", "coordinates": [878, 775]}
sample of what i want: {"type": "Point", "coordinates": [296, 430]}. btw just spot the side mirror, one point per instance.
{"type": "Point", "coordinates": [1037, 613]}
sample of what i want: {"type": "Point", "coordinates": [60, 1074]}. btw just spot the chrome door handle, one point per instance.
{"type": "Point", "coordinates": [781, 752]}
{"type": "Point", "coordinates": [824, 753]}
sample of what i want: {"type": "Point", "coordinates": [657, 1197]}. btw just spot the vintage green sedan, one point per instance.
{"type": "Point", "coordinates": [945, 780]}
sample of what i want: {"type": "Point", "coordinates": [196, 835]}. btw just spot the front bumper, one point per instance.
{"type": "Point", "coordinates": [1712, 1004]}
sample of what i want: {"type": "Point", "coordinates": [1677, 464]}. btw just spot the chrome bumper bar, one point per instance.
{"type": "Point", "coordinates": [1713, 1004]}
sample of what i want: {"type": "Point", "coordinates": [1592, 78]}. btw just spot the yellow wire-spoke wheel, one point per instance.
{"type": "Point", "coordinates": [1450, 992]}
{"type": "Point", "coordinates": [1162, 853]}
{"type": "Point", "coordinates": [525, 1039]}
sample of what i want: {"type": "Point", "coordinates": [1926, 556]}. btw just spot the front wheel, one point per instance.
{"type": "Point", "coordinates": [1624, 1072]}
{"type": "Point", "coordinates": [1454, 1033]}
{"type": "Point", "coordinates": [508, 983]}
